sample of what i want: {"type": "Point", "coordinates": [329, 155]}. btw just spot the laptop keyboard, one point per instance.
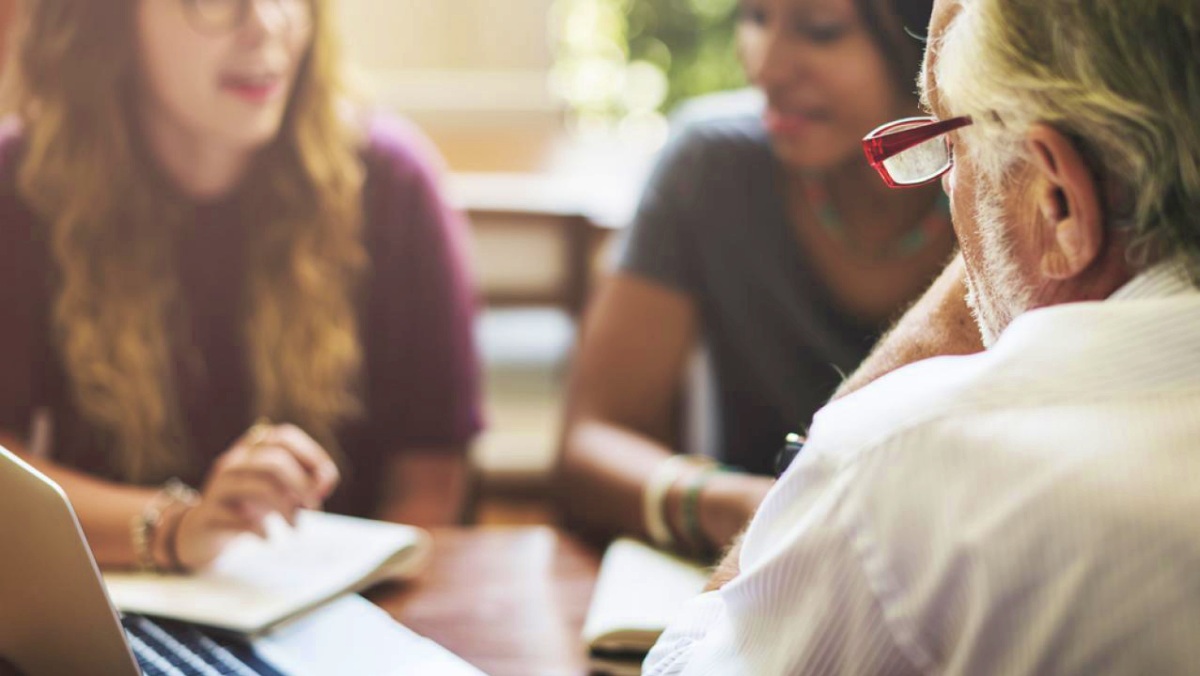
{"type": "Point", "coordinates": [164, 648]}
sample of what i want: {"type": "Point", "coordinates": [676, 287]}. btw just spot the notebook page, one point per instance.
{"type": "Point", "coordinates": [637, 594]}
{"type": "Point", "coordinates": [354, 636]}
{"type": "Point", "coordinates": [256, 583]}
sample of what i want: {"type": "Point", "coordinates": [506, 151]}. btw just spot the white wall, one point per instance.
{"type": "Point", "coordinates": [509, 34]}
{"type": "Point", "coordinates": [452, 56]}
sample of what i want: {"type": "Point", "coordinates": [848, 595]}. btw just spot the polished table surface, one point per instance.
{"type": "Point", "coordinates": [511, 601]}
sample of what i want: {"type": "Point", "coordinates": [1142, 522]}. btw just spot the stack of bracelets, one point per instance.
{"type": "Point", "coordinates": [654, 501]}
{"type": "Point", "coordinates": [151, 524]}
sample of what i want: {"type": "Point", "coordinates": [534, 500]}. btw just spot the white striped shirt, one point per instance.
{"type": "Point", "coordinates": [1034, 509]}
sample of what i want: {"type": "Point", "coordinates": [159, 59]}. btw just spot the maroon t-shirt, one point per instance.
{"type": "Point", "coordinates": [421, 384]}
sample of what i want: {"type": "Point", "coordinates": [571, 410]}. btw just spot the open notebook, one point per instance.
{"type": "Point", "coordinates": [257, 584]}
{"type": "Point", "coordinates": [638, 592]}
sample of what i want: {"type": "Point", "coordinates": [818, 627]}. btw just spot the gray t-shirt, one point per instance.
{"type": "Point", "coordinates": [712, 224]}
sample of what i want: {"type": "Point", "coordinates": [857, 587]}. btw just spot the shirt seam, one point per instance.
{"type": "Point", "coordinates": [856, 454]}
{"type": "Point", "coordinates": [902, 632]}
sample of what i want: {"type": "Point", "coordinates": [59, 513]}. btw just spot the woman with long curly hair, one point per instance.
{"type": "Point", "coordinates": [198, 232]}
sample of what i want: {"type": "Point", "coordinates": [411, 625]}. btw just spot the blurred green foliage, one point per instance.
{"type": "Point", "coordinates": [692, 41]}
{"type": "Point", "coordinates": [621, 59]}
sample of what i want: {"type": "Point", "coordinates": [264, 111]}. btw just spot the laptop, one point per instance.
{"type": "Point", "coordinates": [56, 616]}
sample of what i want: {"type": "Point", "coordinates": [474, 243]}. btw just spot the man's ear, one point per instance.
{"type": "Point", "coordinates": [1071, 231]}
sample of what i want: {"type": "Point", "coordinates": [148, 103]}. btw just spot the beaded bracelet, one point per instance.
{"type": "Point", "coordinates": [144, 526]}
{"type": "Point", "coordinates": [171, 544]}
{"type": "Point", "coordinates": [689, 508]}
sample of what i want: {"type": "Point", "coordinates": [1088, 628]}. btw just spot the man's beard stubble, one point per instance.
{"type": "Point", "coordinates": [1003, 296]}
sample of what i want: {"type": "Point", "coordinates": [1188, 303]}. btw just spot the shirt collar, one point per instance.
{"type": "Point", "coordinates": [1162, 280]}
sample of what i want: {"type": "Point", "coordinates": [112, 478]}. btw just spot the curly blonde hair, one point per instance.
{"type": "Point", "coordinates": [112, 233]}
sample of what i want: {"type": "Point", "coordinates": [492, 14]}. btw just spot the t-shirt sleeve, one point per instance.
{"type": "Point", "coordinates": [423, 372]}
{"type": "Point", "coordinates": [655, 246]}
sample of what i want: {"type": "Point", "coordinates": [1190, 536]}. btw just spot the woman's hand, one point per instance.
{"type": "Point", "coordinates": [269, 469]}
{"type": "Point", "coordinates": [725, 504]}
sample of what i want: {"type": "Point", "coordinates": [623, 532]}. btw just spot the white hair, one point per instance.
{"type": "Point", "coordinates": [1084, 67]}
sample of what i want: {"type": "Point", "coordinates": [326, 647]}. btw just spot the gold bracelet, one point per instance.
{"type": "Point", "coordinates": [144, 527]}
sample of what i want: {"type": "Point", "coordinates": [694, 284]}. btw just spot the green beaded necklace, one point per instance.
{"type": "Point", "coordinates": [908, 244]}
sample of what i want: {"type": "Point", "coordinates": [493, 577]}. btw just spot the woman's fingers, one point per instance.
{"type": "Point", "coordinates": [275, 458]}
{"type": "Point", "coordinates": [254, 493]}
{"type": "Point", "coordinates": [279, 468]}
{"type": "Point", "coordinates": [234, 519]}
{"type": "Point", "coordinates": [314, 459]}
{"type": "Point", "coordinates": [270, 468]}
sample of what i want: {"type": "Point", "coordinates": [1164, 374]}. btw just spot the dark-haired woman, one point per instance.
{"type": "Point", "coordinates": [769, 240]}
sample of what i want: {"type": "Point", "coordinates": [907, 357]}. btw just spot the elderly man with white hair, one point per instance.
{"type": "Point", "coordinates": [1033, 508]}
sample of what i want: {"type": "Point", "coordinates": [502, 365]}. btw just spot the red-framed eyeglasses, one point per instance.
{"type": "Point", "coordinates": [913, 151]}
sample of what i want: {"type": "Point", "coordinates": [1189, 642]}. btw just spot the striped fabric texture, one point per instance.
{"type": "Point", "coordinates": [1034, 509]}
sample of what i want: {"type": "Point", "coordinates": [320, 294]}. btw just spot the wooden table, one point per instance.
{"type": "Point", "coordinates": [511, 601]}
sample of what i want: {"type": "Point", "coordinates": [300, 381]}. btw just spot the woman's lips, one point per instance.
{"type": "Point", "coordinates": [255, 90]}
{"type": "Point", "coordinates": [782, 123]}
